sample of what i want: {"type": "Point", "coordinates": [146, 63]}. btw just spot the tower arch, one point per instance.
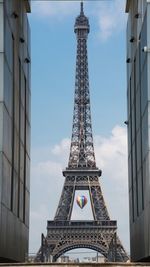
{"type": "Point", "coordinates": [99, 249]}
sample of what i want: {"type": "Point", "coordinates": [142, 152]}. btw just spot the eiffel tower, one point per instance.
{"type": "Point", "coordinates": [63, 234]}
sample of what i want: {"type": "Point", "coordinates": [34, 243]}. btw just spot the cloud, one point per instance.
{"type": "Point", "coordinates": [46, 186]}
{"type": "Point", "coordinates": [111, 151]}
{"type": "Point", "coordinates": [47, 183]}
{"type": "Point", "coordinates": [57, 9]}
{"type": "Point", "coordinates": [111, 18]}
{"type": "Point", "coordinates": [62, 147]}
{"type": "Point", "coordinates": [111, 155]}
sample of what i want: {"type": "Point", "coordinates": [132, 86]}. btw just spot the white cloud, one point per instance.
{"type": "Point", "coordinates": [57, 9]}
{"type": "Point", "coordinates": [111, 18]}
{"type": "Point", "coordinates": [62, 147]}
{"type": "Point", "coordinates": [47, 183]}
{"type": "Point", "coordinates": [111, 155]}
{"type": "Point", "coordinates": [111, 151]}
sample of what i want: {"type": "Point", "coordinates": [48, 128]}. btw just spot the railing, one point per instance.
{"type": "Point", "coordinates": [81, 256]}
{"type": "Point", "coordinates": [107, 223]}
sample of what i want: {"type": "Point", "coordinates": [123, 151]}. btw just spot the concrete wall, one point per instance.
{"type": "Point", "coordinates": [138, 98]}
{"type": "Point", "coordinates": [14, 130]}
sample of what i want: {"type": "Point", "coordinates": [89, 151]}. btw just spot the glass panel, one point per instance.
{"type": "Point", "coordinates": [8, 81]}
{"type": "Point", "coordinates": [22, 88]}
{"type": "Point", "coordinates": [15, 193]}
{"type": "Point", "coordinates": [21, 162]}
{"type": "Point", "coordinates": [17, 110]}
{"type": "Point", "coordinates": [6, 182]}
{"type": "Point", "coordinates": [22, 124]}
{"type": "Point", "coordinates": [21, 201]}
{"type": "Point", "coordinates": [7, 134]}
{"type": "Point", "coordinates": [140, 191]}
{"type": "Point", "coordinates": [27, 173]}
{"type": "Point", "coordinates": [144, 89]}
{"type": "Point", "coordinates": [130, 172]}
{"type": "Point", "coordinates": [138, 115]}
{"type": "Point", "coordinates": [28, 138]}
{"type": "Point", "coordinates": [145, 134]}
{"type": "Point", "coordinates": [134, 161]}
{"type": "Point", "coordinates": [133, 123]}
{"type": "Point", "coordinates": [1, 29]}
{"type": "Point", "coordinates": [8, 43]}
{"type": "Point", "coordinates": [27, 199]}
{"type": "Point", "coordinates": [139, 156]}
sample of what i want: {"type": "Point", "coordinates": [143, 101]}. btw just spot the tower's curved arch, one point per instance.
{"type": "Point", "coordinates": [101, 249]}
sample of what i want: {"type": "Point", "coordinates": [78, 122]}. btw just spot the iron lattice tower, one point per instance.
{"type": "Point", "coordinates": [63, 234]}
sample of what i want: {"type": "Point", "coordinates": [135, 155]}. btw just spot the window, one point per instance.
{"type": "Point", "coordinates": [13, 126]}
{"type": "Point", "coordinates": [135, 134]}
{"type": "Point", "coordinates": [24, 178]}
{"type": "Point", "coordinates": [130, 136]}
{"type": "Point", "coordinates": [19, 133]}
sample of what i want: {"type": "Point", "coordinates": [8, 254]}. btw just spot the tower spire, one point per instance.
{"type": "Point", "coordinates": [82, 12]}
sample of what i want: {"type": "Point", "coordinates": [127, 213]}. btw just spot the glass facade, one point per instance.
{"type": "Point", "coordinates": [138, 98]}
{"type": "Point", "coordinates": [15, 94]}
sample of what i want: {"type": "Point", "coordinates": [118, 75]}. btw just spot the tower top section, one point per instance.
{"type": "Point", "coordinates": [82, 155]}
{"type": "Point", "coordinates": [81, 27]}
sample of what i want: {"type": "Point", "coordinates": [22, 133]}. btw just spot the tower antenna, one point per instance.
{"type": "Point", "coordinates": [82, 12]}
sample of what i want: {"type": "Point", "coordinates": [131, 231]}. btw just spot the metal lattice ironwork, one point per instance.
{"type": "Point", "coordinates": [81, 174]}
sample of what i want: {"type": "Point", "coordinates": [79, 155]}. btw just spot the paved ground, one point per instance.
{"type": "Point", "coordinates": [76, 265]}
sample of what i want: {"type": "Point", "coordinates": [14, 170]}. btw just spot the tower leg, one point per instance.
{"type": "Point", "coordinates": [65, 206]}
{"type": "Point", "coordinates": [42, 247]}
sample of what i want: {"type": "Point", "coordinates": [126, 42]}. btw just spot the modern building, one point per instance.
{"type": "Point", "coordinates": [14, 129]}
{"type": "Point", "coordinates": [138, 95]}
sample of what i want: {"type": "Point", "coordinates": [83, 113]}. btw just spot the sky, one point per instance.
{"type": "Point", "coordinates": [53, 48]}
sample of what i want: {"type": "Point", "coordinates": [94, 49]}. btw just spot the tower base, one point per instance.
{"type": "Point", "coordinates": [63, 236]}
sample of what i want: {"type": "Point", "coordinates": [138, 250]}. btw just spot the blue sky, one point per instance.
{"type": "Point", "coordinates": [53, 74]}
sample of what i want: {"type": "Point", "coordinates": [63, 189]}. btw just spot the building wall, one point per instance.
{"type": "Point", "coordinates": [14, 129]}
{"type": "Point", "coordinates": [138, 98]}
